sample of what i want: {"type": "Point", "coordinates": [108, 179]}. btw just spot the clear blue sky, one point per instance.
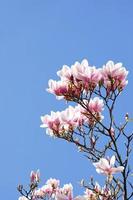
{"type": "Point", "coordinates": [36, 38]}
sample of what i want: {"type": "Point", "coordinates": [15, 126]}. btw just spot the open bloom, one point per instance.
{"type": "Point", "coordinates": [52, 123]}
{"type": "Point", "coordinates": [50, 188]}
{"type": "Point", "coordinates": [89, 194]}
{"type": "Point", "coordinates": [53, 182]}
{"type": "Point", "coordinates": [39, 193]}
{"type": "Point", "coordinates": [45, 190]}
{"type": "Point", "coordinates": [65, 73]}
{"type": "Point", "coordinates": [67, 189]}
{"type": "Point", "coordinates": [92, 110]}
{"type": "Point", "coordinates": [114, 75]}
{"type": "Point", "coordinates": [59, 88]}
{"type": "Point", "coordinates": [65, 193]}
{"type": "Point", "coordinates": [89, 76]}
{"type": "Point", "coordinates": [106, 166]}
{"type": "Point", "coordinates": [64, 89]}
{"type": "Point", "coordinates": [71, 118]}
{"type": "Point", "coordinates": [96, 105]}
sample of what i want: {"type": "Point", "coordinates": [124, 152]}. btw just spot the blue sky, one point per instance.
{"type": "Point", "coordinates": [36, 38]}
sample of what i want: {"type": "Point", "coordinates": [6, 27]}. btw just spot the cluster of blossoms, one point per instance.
{"type": "Point", "coordinates": [75, 83]}
{"type": "Point", "coordinates": [81, 78]}
{"type": "Point", "coordinates": [91, 89]}
{"type": "Point", "coordinates": [52, 189]}
{"type": "Point", "coordinates": [65, 121]}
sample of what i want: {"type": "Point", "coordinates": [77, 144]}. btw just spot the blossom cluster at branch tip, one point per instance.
{"type": "Point", "coordinates": [106, 166]}
{"type": "Point", "coordinates": [52, 190]}
{"type": "Point", "coordinates": [81, 77]}
{"type": "Point", "coordinates": [68, 120]}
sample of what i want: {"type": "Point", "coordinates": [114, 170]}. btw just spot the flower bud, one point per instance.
{"type": "Point", "coordinates": [34, 176]}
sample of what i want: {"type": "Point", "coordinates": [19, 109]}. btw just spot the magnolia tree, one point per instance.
{"type": "Point", "coordinates": [92, 127]}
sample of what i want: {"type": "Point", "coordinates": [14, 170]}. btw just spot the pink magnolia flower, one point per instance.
{"type": "Point", "coordinates": [52, 123]}
{"type": "Point", "coordinates": [96, 105]}
{"type": "Point", "coordinates": [65, 193]}
{"type": "Point", "coordinates": [92, 108]}
{"type": "Point", "coordinates": [53, 182]}
{"type": "Point", "coordinates": [78, 70]}
{"type": "Point", "coordinates": [59, 122]}
{"type": "Point", "coordinates": [39, 193]}
{"type": "Point", "coordinates": [114, 75]}
{"type": "Point", "coordinates": [64, 89]}
{"type": "Point", "coordinates": [44, 191]}
{"type": "Point", "coordinates": [71, 118]}
{"type": "Point", "coordinates": [47, 189]}
{"type": "Point", "coordinates": [35, 176]}
{"type": "Point", "coordinates": [59, 88]}
{"type": "Point", "coordinates": [106, 166]}
{"type": "Point", "coordinates": [89, 194]}
{"type": "Point", "coordinates": [65, 73]}
{"type": "Point", "coordinates": [89, 76]}
{"type": "Point", "coordinates": [67, 189]}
